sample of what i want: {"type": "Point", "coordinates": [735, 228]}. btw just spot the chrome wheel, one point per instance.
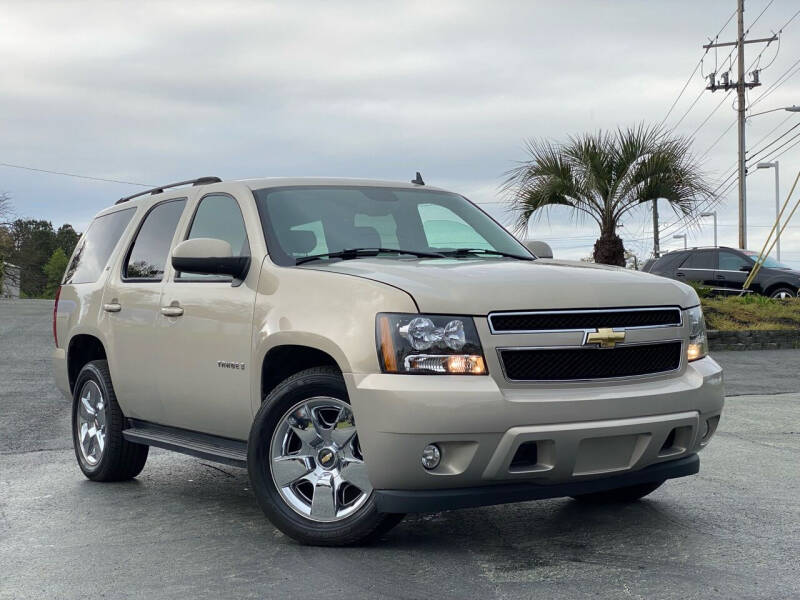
{"type": "Point", "coordinates": [91, 423]}
{"type": "Point", "coordinates": [782, 294]}
{"type": "Point", "coordinates": [316, 461]}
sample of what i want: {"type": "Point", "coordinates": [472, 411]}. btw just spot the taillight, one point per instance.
{"type": "Point", "coordinates": [55, 311]}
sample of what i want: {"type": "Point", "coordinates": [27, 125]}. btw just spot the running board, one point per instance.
{"type": "Point", "coordinates": [202, 445]}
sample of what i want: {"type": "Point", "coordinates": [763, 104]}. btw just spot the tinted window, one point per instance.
{"type": "Point", "coordinates": [98, 242]}
{"type": "Point", "coordinates": [148, 256]}
{"type": "Point", "coordinates": [730, 261]}
{"type": "Point", "coordinates": [699, 260]}
{"type": "Point", "coordinates": [667, 263]}
{"type": "Point", "coordinates": [218, 216]}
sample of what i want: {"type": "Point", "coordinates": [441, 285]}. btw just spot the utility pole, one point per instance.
{"type": "Point", "coordinates": [656, 249]}
{"type": "Point", "coordinates": [740, 108]}
{"type": "Point", "coordinates": [741, 86]}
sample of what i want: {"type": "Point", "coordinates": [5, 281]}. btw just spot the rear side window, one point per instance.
{"type": "Point", "coordinates": [218, 216]}
{"type": "Point", "coordinates": [147, 258]}
{"type": "Point", "coordinates": [667, 263]}
{"type": "Point", "coordinates": [98, 242]}
{"type": "Point", "coordinates": [700, 260]}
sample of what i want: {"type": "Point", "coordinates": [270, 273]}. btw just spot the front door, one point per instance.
{"type": "Point", "coordinates": [131, 308]}
{"type": "Point", "coordinates": [206, 331]}
{"type": "Point", "coordinates": [733, 270]}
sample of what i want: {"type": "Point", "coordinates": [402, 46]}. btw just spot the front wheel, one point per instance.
{"type": "Point", "coordinates": [306, 466]}
{"type": "Point", "coordinates": [631, 493]}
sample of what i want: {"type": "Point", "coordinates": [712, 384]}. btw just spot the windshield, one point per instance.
{"type": "Point", "coordinates": [770, 263]}
{"type": "Point", "coordinates": [308, 221]}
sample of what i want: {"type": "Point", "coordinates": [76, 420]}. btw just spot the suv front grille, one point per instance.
{"type": "Point", "coordinates": [589, 319]}
{"type": "Point", "coordinates": [564, 364]}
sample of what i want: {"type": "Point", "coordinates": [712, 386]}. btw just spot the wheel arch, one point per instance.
{"type": "Point", "coordinates": [289, 356]}
{"type": "Point", "coordinates": [83, 348]}
{"type": "Point", "coordinates": [777, 285]}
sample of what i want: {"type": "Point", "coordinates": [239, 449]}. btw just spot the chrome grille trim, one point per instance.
{"type": "Point", "coordinates": [494, 331]}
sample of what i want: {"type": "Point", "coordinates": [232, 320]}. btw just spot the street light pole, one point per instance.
{"type": "Point", "coordinates": [775, 165]}
{"type": "Point", "coordinates": [681, 236]}
{"type": "Point", "coordinates": [713, 213]}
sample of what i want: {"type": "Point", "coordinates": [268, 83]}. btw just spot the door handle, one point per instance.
{"type": "Point", "coordinates": [722, 277]}
{"type": "Point", "coordinates": [171, 311]}
{"type": "Point", "coordinates": [680, 274]}
{"type": "Point", "coordinates": [112, 307]}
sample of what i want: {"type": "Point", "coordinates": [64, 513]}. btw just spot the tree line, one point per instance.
{"type": "Point", "coordinates": [39, 250]}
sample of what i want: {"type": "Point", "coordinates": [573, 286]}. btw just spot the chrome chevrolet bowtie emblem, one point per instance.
{"type": "Point", "coordinates": [605, 337]}
{"type": "Point", "coordinates": [326, 458]}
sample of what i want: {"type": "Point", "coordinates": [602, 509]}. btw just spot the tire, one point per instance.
{"type": "Point", "coordinates": [625, 494]}
{"type": "Point", "coordinates": [314, 404]}
{"type": "Point", "coordinates": [106, 455]}
{"type": "Point", "coordinates": [782, 292]}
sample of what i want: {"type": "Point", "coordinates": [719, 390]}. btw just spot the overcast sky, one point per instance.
{"type": "Point", "coordinates": [157, 92]}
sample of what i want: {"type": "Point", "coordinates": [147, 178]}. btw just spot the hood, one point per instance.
{"type": "Point", "coordinates": [480, 286]}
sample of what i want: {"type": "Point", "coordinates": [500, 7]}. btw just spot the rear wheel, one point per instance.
{"type": "Point", "coordinates": [624, 494]}
{"type": "Point", "coordinates": [782, 292]}
{"type": "Point", "coordinates": [97, 422]}
{"type": "Point", "coordinates": [306, 465]}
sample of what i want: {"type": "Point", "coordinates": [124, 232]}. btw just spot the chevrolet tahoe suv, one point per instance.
{"type": "Point", "coordinates": [368, 349]}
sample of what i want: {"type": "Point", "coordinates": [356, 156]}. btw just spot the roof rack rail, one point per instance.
{"type": "Point", "coordinates": [161, 188]}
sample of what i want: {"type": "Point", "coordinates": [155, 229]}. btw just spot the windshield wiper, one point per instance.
{"type": "Point", "coordinates": [470, 251]}
{"type": "Point", "coordinates": [351, 253]}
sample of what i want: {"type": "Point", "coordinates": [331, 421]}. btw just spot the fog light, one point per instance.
{"type": "Point", "coordinates": [431, 456]}
{"type": "Point", "coordinates": [704, 430]}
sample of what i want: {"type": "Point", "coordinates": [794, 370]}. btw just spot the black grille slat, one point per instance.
{"type": "Point", "coordinates": [544, 321]}
{"type": "Point", "coordinates": [562, 364]}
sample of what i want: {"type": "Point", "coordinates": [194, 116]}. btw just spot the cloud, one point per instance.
{"type": "Point", "coordinates": [155, 91]}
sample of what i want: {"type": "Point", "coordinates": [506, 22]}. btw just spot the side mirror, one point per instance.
{"type": "Point", "coordinates": [209, 256]}
{"type": "Point", "coordinates": [746, 268]}
{"type": "Point", "coordinates": [539, 249]}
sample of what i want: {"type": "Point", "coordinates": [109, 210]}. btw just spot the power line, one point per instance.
{"type": "Point", "coordinates": [784, 134]}
{"type": "Point", "coordinates": [65, 174]}
{"type": "Point", "coordinates": [794, 137]}
{"type": "Point", "coordinates": [776, 84]}
{"type": "Point", "coordinates": [711, 114]}
{"type": "Point", "coordinates": [694, 72]}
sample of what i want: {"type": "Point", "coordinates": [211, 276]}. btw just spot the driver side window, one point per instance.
{"type": "Point", "coordinates": [728, 261]}
{"type": "Point", "coordinates": [218, 216]}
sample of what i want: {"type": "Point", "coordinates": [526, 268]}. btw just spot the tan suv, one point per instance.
{"type": "Point", "coordinates": [367, 349]}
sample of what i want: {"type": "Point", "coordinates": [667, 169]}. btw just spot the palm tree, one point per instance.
{"type": "Point", "coordinates": [604, 176]}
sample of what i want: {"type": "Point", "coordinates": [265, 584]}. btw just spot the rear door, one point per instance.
{"type": "Point", "coordinates": [205, 337]}
{"type": "Point", "coordinates": [698, 267]}
{"type": "Point", "coordinates": [732, 271]}
{"type": "Point", "coordinates": [131, 302]}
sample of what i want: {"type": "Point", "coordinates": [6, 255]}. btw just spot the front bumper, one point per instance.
{"type": "Point", "coordinates": [593, 432]}
{"type": "Point", "coordinates": [416, 501]}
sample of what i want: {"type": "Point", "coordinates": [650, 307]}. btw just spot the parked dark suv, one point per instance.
{"type": "Point", "coordinates": [725, 270]}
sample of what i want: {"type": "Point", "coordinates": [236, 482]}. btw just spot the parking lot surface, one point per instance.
{"type": "Point", "coordinates": [187, 528]}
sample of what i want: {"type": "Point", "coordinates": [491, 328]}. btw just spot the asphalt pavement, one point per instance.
{"type": "Point", "coordinates": [188, 528]}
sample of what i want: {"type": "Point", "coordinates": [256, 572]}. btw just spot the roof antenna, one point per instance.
{"type": "Point", "coordinates": [418, 179]}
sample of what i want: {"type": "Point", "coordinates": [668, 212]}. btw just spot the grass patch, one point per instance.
{"type": "Point", "coordinates": [733, 313]}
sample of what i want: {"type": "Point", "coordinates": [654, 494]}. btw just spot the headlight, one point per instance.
{"type": "Point", "coordinates": [428, 344]}
{"type": "Point", "coordinates": [698, 344]}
